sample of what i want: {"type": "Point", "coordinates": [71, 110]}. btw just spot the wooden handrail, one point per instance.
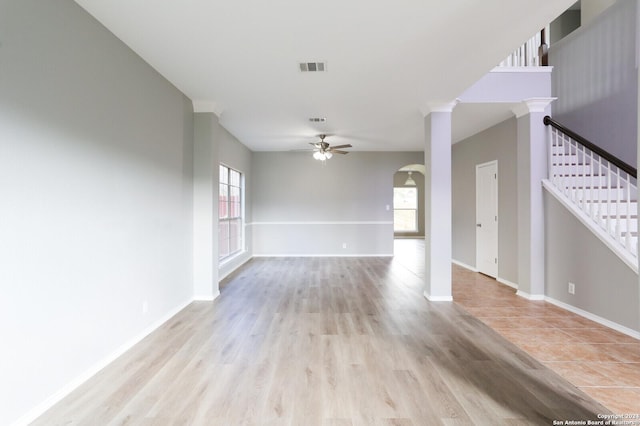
{"type": "Point", "coordinates": [632, 171]}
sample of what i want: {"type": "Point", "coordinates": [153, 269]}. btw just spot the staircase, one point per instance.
{"type": "Point", "coordinates": [600, 189]}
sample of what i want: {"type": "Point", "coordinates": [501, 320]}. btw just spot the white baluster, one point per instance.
{"type": "Point", "coordinates": [598, 209]}
{"type": "Point", "coordinates": [582, 160]}
{"type": "Point", "coordinates": [560, 161]}
{"type": "Point", "coordinates": [593, 185]}
{"type": "Point", "coordinates": [525, 55]}
{"type": "Point", "coordinates": [551, 170]}
{"type": "Point", "coordinates": [566, 145]}
{"type": "Point", "coordinates": [609, 201]}
{"type": "Point", "coordinates": [617, 231]}
{"type": "Point", "coordinates": [574, 148]}
{"type": "Point", "coordinates": [627, 182]}
{"type": "Point", "coordinates": [588, 180]}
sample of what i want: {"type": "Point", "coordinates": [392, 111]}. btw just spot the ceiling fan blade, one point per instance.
{"type": "Point", "coordinates": [341, 146]}
{"type": "Point", "coordinates": [334, 151]}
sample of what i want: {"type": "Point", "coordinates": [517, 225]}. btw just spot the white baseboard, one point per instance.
{"type": "Point", "coordinates": [408, 237]}
{"type": "Point", "coordinates": [530, 296]}
{"type": "Point", "coordinates": [507, 283]}
{"type": "Point", "coordinates": [207, 298]}
{"type": "Point", "coordinates": [595, 318]}
{"type": "Point", "coordinates": [232, 270]}
{"type": "Point", "coordinates": [472, 269]}
{"type": "Point", "coordinates": [570, 308]}
{"type": "Point", "coordinates": [464, 265]}
{"type": "Point", "coordinates": [37, 411]}
{"type": "Point", "coordinates": [324, 255]}
{"type": "Point", "coordinates": [438, 298]}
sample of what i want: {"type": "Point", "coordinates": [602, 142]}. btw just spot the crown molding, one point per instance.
{"type": "Point", "coordinates": [207, 106]}
{"type": "Point", "coordinates": [530, 105]}
{"type": "Point", "coordinates": [439, 107]}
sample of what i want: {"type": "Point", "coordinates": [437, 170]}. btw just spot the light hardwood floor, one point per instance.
{"type": "Point", "coordinates": [324, 341]}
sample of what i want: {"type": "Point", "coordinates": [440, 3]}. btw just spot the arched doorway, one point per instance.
{"type": "Point", "coordinates": [408, 214]}
{"type": "Point", "coordinates": [408, 202]}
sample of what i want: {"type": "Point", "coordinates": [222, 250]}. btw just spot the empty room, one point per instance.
{"type": "Point", "coordinates": [338, 213]}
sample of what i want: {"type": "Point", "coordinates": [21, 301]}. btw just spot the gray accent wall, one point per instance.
{"type": "Point", "coordinates": [496, 143]}
{"type": "Point", "coordinates": [595, 81]}
{"type": "Point", "coordinates": [605, 285]}
{"type": "Point", "coordinates": [96, 157]}
{"type": "Point", "coordinates": [302, 206]}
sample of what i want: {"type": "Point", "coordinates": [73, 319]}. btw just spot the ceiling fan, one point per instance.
{"type": "Point", "coordinates": [323, 151]}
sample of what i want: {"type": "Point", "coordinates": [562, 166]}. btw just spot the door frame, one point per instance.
{"type": "Point", "coordinates": [497, 221]}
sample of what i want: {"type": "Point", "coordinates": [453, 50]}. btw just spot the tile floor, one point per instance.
{"type": "Point", "coordinates": [600, 361]}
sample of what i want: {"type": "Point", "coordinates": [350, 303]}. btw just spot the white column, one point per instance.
{"type": "Point", "coordinates": [532, 169]}
{"type": "Point", "coordinates": [437, 160]}
{"type": "Point", "coordinates": [205, 205]}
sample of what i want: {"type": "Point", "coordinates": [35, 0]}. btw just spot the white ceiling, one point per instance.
{"type": "Point", "coordinates": [387, 61]}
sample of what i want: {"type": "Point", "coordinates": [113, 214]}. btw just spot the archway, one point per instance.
{"type": "Point", "coordinates": [408, 202]}
{"type": "Point", "coordinates": [409, 222]}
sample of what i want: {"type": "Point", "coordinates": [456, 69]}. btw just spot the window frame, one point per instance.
{"type": "Point", "coordinates": [416, 227]}
{"type": "Point", "coordinates": [230, 210]}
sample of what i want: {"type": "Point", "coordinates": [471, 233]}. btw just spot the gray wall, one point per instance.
{"type": "Point", "coordinates": [605, 285]}
{"type": "Point", "coordinates": [304, 207]}
{"type": "Point", "coordinates": [398, 181]}
{"type": "Point", "coordinates": [595, 81]}
{"type": "Point", "coordinates": [237, 156]}
{"type": "Point", "coordinates": [205, 205]}
{"type": "Point", "coordinates": [591, 9]}
{"type": "Point", "coordinates": [96, 198]}
{"type": "Point", "coordinates": [564, 25]}
{"type": "Point", "coordinates": [495, 143]}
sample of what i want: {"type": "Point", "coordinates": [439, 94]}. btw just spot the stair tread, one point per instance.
{"type": "Point", "coordinates": [595, 187]}
{"type": "Point", "coordinates": [562, 163]}
{"type": "Point", "coordinates": [579, 174]}
{"type": "Point", "coordinates": [582, 178]}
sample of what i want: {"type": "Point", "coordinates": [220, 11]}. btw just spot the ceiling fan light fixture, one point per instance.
{"type": "Point", "coordinates": [322, 151]}
{"type": "Point", "coordinates": [319, 156]}
{"type": "Point", "coordinates": [410, 181]}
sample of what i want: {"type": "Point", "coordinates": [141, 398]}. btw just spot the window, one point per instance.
{"type": "Point", "coordinates": [230, 212]}
{"type": "Point", "coordinates": [405, 209]}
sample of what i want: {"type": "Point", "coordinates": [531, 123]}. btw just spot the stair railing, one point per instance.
{"type": "Point", "coordinates": [533, 53]}
{"type": "Point", "coordinates": [598, 183]}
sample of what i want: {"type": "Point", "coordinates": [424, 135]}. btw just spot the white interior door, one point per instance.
{"type": "Point", "coordinates": [487, 218]}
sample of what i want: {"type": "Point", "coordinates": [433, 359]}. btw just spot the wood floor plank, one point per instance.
{"type": "Point", "coordinates": [331, 341]}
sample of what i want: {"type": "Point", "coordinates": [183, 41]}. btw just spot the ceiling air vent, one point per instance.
{"type": "Point", "coordinates": [313, 66]}
{"type": "Point", "coordinates": [317, 119]}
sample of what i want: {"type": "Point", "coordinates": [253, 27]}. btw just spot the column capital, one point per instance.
{"type": "Point", "coordinates": [530, 105]}
{"type": "Point", "coordinates": [439, 107]}
{"type": "Point", "coordinates": [207, 106]}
